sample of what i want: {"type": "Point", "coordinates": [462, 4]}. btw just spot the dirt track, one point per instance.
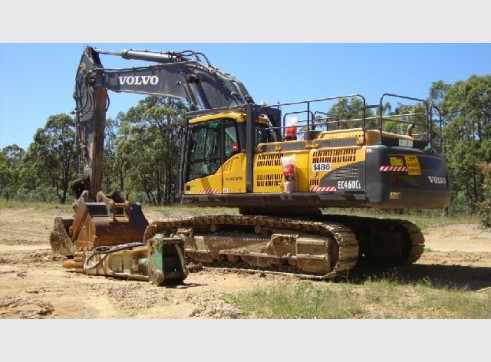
{"type": "Point", "coordinates": [33, 285]}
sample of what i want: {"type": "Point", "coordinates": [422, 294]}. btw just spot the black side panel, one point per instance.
{"type": "Point", "coordinates": [377, 183]}
{"type": "Point", "coordinates": [347, 179]}
{"type": "Point", "coordinates": [393, 182]}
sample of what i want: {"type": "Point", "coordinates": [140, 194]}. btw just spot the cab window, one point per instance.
{"type": "Point", "coordinates": [211, 144]}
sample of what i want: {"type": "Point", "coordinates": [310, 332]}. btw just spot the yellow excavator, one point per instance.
{"type": "Point", "coordinates": [283, 166]}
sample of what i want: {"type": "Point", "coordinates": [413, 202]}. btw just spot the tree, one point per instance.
{"type": "Point", "coordinates": [485, 205]}
{"type": "Point", "coordinates": [10, 160]}
{"type": "Point", "coordinates": [111, 174]}
{"type": "Point", "coordinates": [466, 111]}
{"type": "Point", "coordinates": [50, 161]}
{"type": "Point", "coordinates": [148, 148]}
{"type": "Point", "coordinates": [348, 109]}
{"type": "Point", "coordinates": [5, 179]}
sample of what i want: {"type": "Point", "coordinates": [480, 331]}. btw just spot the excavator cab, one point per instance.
{"type": "Point", "coordinates": [214, 151]}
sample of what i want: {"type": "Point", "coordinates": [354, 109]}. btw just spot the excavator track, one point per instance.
{"type": "Point", "coordinates": [302, 247]}
{"type": "Point", "coordinates": [319, 248]}
{"type": "Point", "coordinates": [382, 240]}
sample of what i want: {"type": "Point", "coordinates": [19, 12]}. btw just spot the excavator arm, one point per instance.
{"type": "Point", "coordinates": [180, 75]}
{"type": "Point", "coordinates": [105, 235]}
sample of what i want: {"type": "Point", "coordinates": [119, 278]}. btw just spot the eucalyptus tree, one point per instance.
{"type": "Point", "coordinates": [147, 149]}
{"type": "Point", "coordinates": [10, 160]}
{"type": "Point", "coordinates": [466, 110]}
{"type": "Point", "coordinates": [50, 160]}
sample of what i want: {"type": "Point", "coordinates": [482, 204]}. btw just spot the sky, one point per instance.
{"type": "Point", "coordinates": [37, 79]}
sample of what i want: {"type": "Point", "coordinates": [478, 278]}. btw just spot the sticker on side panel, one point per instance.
{"type": "Point", "coordinates": [412, 164]}
{"type": "Point", "coordinates": [396, 161]}
{"type": "Point", "coordinates": [321, 167]}
{"type": "Point", "coordinates": [349, 185]}
{"type": "Point", "coordinates": [323, 189]}
{"type": "Point", "coordinates": [405, 142]}
{"type": "Point", "coordinates": [395, 195]}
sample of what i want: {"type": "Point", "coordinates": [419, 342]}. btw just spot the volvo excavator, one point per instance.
{"type": "Point", "coordinates": [284, 166]}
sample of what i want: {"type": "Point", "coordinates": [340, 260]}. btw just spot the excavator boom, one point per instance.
{"type": "Point", "coordinates": [179, 75]}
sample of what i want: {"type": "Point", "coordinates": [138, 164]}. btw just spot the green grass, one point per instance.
{"type": "Point", "coordinates": [422, 218]}
{"type": "Point", "coordinates": [38, 206]}
{"type": "Point", "coordinates": [382, 299]}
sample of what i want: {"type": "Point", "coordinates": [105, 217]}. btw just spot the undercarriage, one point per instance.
{"type": "Point", "coordinates": [312, 246]}
{"type": "Point", "coordinates": [322, 247]}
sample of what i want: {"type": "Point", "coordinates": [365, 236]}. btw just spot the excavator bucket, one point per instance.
{"type": "Point", "coordinates": [60, 240]}
{"type": "Point", "coordinates": [107, 238]}
{"type": "Point", "coordinates": [107, 224]}
{"type": "Point", "coordinates": [95, 224]}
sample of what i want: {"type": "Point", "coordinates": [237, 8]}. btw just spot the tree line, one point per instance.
{"type": "Point", "coordinates": [141, 156]}
{"type": "Point", "coordinates": [142, 150]}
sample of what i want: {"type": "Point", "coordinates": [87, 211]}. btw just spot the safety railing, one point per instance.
{"type": "Point", "coordinates": [411, 116]}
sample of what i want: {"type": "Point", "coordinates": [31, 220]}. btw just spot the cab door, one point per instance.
{"type": "Point", "coordinates": [204, 172]}
{"type": "Point", "coordinates": [234, 166]}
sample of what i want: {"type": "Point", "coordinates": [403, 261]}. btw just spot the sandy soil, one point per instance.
{"type": "Point", "coordinates": [33, 285]}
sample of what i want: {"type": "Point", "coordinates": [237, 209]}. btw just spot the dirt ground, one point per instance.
{"type": "Point", "coordinates": [33, 284]}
